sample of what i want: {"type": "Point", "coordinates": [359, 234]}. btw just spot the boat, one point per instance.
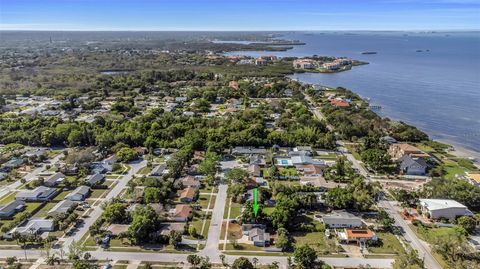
{"type": "Point", "coordinates": [369, 52]}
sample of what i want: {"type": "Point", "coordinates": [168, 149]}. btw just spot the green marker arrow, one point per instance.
{"type": "Point", "coordinates": [255, 202]}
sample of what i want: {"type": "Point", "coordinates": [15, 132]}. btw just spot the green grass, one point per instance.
{"type": "Point", "coordinates": [315, 240]}
{"type": "Point", "coordinates": [389, 244]}
{"type": "Point", "coordinates": [430, 234]}
{"type": "Point", "coordinates": [97, 193]}
{"type": "Point", "coordinates": [288, 172]}
{"type": "Point", "coordinates": [268, 210]}
{"type": "Point", "coordinates": [42, 213]}
{"type": "Point", "coordinates": [352, 150]}
{"type": "Point", "coordinates": [145, 170]}
{"type": "Point", "coordinates": [8, 198]}
{"type": "Point", "coordinates": [246, 253]}
{"type": "Point", "coordinates": [235, 211]}
{"type": "Point", "coordinates": [203, 200]}
{"type": "Point", "coordinates": [241, 246]}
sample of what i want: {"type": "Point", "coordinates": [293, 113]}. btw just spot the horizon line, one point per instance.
{"type": "Point", "coordinates": [238, 30]}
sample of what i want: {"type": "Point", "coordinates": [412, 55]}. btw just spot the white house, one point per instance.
{"type": "Point", "coordinates": [33, 226]}
{"type": "Point", "coordinates": [342, 219]}
{"type": "Point", "coordinates": [443, 208]}
{"type": "Point", "coordinates": [79, 194]}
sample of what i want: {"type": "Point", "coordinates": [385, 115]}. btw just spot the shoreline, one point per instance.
{"type": "Point", "coordinates": [462, 152]}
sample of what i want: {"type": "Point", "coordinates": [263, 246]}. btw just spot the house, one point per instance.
{"type": "Point", "coordinates": [190, 181]}
{"type": "Point", "coordinates": [257, 159]}
{"type": "Point", "coordinates": [398, 150]}
{"type": "Point", "coordinates": [33, 226]}
{"type": "Point", "coordinates": [158, 208]}
{"type": "Point", "coordinates": [79, 194]}
{"type": "Point", "coordinates": [331, 66]}
{"type": "Point", "coordinates": [304, 64]}
{"type": "Point", "coordinates": [339, 103]}
{"type": "Point", "coordinates": [359, 236]}
{"type": "Point", "coordinates": [388, 140]}
{"type": "Point", "coordinates": [158, 170]}
{"type": "Point", "coordinates": [38, 194]}
{"type": "Point", "coordinates": [36, 152]}
{"type": "Point", "coordinates": [100, 167]}
{"type": "Point", "coordinates": [259, 237]}
{"type": "Point", "coordinates": [311, 170]}
{"type": "Point", "coordinates": [7, 211]}
{"type": "Point", "coordinates": [62, 207]}
{"type": "Point", "coordinates": [11, 164]}
{"type": "Point", "coordinates": [180, 99]}
{"type": "Point", "coordinates": [261, 61]}
{"type": "Point", "coordinates": [249, 195]}
{"type": "Point", "coordinates": [342, 219]}
{"type": "Point", "coordinates": [188, 195]}
{"type": "Point", "coordinates": [443, 208]}
{"type": "Point", "coordinates": [68, 169]}
{"type": "Point", "coordinates": [110, 159]}
{"type": "Point", "coordinates": [117, 229]}
{"type": "Point", "coordinates": [256, 234]}
{"type": "Point", "coordinates": [473, 178]}
{"type": "Point", "coordinates": [248, 150]}
{"type": "Point", "coordinates": [94, 179]}
{"type": "Point", "coordinates": [301, 160]}
{"type": "Point", "coordinates": [254, 170]}
{"type": "Point", "coordinates": [182, 212]}
{"type": "Point", "coordinates": [413, 166]}
{"type": "Point", "coordinates": [54, 180]}
{"type": "Point", "coordinates": [166, 228]}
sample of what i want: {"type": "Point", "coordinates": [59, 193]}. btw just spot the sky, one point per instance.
{"type": "Point", "coordinates": [239, 15]}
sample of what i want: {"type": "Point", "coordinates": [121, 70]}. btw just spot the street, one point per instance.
{"type": "Point", "coordinates": [97, 210]}
{"type": "Point", "coordinates": [408, 234]}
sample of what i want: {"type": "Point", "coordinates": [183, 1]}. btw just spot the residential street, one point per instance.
{"type": "Point", "coordinates": [213, 238]}
{"type": "Point", "coordinates": [422, 248]}
{"type": "Point", "coordinates": [408, 234]}
{"type": "Point", "coordinates": [97, 210]}
{"type": "Point", "coordinates": [30, 176]}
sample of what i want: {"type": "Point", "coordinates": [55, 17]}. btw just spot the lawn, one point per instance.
{"type": "Point", "coordinates": [352, 150]}
{"type": "Point", "coordinates": [96, 193]}
{"type": "Point", "coordinates": [288, 172]}
{"type": "Point", "coordinates": [268, 210]}
{"type": "Point", "coordinates": [430, 234]}
{"type": "Point", "coordinates": [197, 222]}
{"type": "Point", "coordinates": [389, 244]}
{"type": "Point", "coordinates": [329, 156]}
{"type": "Point", "coordinates": [42, 213]}
{"type": "Point", "coordinates": [145, 170]}
{"type": "Point", "coordinates": [316, 240]}
{"type": "Point", "coordinates": [8, 198]}
{"type": "Point", "coordinates": [241, 246]}
{"type": "Point", "coordinates": [235, 211]}
{"type": "Point", "coordinates": [203, 200]}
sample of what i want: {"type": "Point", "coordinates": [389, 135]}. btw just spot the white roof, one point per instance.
{"type": "Point", "coordinates": [436, 204]}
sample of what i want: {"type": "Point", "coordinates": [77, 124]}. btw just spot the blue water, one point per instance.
{"type": "Point", "coordinates": [437, 91]}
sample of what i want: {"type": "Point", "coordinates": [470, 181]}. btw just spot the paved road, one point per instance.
{"type": "Point", "coordinates": [409, 235]}
{"type": "Point", "coordinates": [213, 237]}
{"type": "Point", "coordinates": [97, 210]}
{"type": "Point", "coordinates": [30, 176]}
{"type": "Point", "coordinates": [423, 250]}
